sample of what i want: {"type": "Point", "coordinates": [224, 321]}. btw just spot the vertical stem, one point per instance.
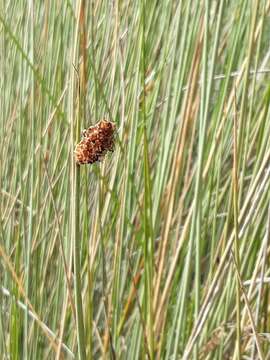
{"type": "Point", "coordinates": [30, 233]}
{"type": "Point", "coordinates": [77, 266]}
{"type": "Point", "coordinates": [75, 199]}
{"type": "Point", "coordinates": [148, 234]}
{"type": "Point", "coordinates": [81, 115]}
{"type": "Point", "coordinates": [236, 238]}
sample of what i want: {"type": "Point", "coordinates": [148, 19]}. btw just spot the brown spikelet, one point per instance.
{"type": "Point", "coordinates": [97, 141]}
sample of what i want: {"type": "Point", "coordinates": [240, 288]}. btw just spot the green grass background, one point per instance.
{"type": "Point", "coordinates": [162, 250]}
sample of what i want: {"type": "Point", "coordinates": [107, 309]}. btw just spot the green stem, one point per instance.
{"type": "Point", "coordinates": [75, 205]}
{"type": "Point", "coordinates": [77, 266]}
{"type": "Point", "coordinates": [236, 240]}
{"type": "Point", "coordinates": [32, 182]}
{"type": "Point", "coordinates": [148, 234]}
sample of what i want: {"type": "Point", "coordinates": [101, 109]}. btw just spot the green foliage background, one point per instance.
{"type": "Point", "coordinates": [162, 250]}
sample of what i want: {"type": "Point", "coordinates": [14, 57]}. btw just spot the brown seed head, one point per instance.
{"type": "Point", "coordinates": [97, 141]}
